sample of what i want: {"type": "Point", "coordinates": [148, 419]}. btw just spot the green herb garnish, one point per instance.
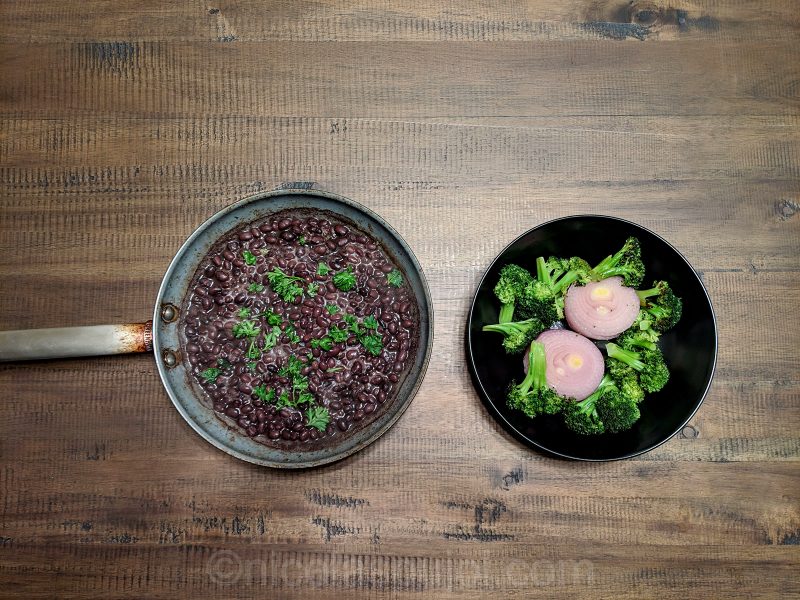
{"type": "Point", "coordinates": [244, 313]}
{"type": "Point", "coordinates": [211, 374]}
{"type": "Point", "coordinates": [246, 329]}
{"type": "Point", "coordinates": [253, 351]}
{"type": "Point", "coordinates": [222, 362]}
{"type": "Point", "coordinates": [337, 335]}
{"type": "Point", "coordinates": [252, 366]}
{"type": "Point", "coordinates": [283, 400]}
{"type": "Point", "coordinates": [272, 317]}
{"type": "Point", "coordinates": [395, 278]}
{"type": "Point", "coordinates": [271, 338]}
{"type": "Point", "coordinates": [345, 280]}
{"type": "Point", "coordinates": [373, 343]}
{"type": "Point", "coordinates": [370, 322]}
{"type": "Point", "coordinates": [284, 285]}
{"type": "Point", "coordinates": [249, 257]}
{"type": "Point", "coordinates": [318, 417]}
{"type": "Point", "coordinates": [324, 343]}
{"type": "Point", "coordinates": [292, 367]}
{"type": "Point", "coordinates": [323, 269]}
{"type": "Point", "coordinates": [332, 309]}
{"type": "Point", "coordinates": [334, 369]}
{"type": "Point", "coordinates": [255, 288]}
{"type": "Point", "coordinates": [302, 240]}
{"type": "Point", "coordinates": [352, 324]}
{"type": "Point", "coordinates": [291, 335]}
{"type": "Point", "coordinates": [267, 396]}
{"type": "Point", "coordinates": [312, 290]}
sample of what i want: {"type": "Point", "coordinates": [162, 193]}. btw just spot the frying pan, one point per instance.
{"type": "Point", "coordinates": [162, 337]}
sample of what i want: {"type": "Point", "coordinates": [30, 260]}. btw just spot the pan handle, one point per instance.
{"type": "Point", "coordinates": [66, 342]}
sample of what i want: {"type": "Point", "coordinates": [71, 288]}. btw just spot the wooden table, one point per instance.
{"type": "Point", "coordinates": [126, 124]}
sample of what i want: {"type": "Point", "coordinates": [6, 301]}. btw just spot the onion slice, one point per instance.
{"type": "Point", "coordinates": [574, 364]}
{"type": "Point", "coordinates": [601, 310]}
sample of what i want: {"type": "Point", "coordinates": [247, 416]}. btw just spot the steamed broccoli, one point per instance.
{"type": "Point", "coordinates": [517, 335]}
{"type": "Point", "coordinates": [609, 408]}
{"type": "Point", "coordinates": [661, 307]}
{"type": "Point", "coordinates": [543, 297]}
{"type": "Point", "coordinates": [509, 288]}
{"type": "Point", "coordinates": [627, 263]}
{"type": "Point", "coordinates": [653, 372]}
{"type": "Point", "coordinates": [582, 417]}
{"type": "Point", "coordinates": [634, 338]}
{"type": "Point", "coordinates": [533, 396]}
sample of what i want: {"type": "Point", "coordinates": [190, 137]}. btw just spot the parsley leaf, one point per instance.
{"type": "Point", "coordinates": [370, 322]}
{"type": "Point", "coordinates": [332, 309]}
{"type": "Point", "coordinates": [345, 280]}
{"type": "Point", "coordinates": [222, 362]}
{"type": "Point", "coordinates": [253, 352]}
{"type": "Point", "coordinates": [302, 240]}
{"type": "Point", "coordinates": [292, 367]}
{"type": "Point", "coordinates": [252, 365]}
{"type": "Point", "coordinates": [244, 313]}
{"type": "Point", "coordinates": [312, 290]}
{"type": "Point", "coordinates": [211, 374]}
{"type": "Point", "coordinates": [267, 396]}
{"type": "Point", "coordinates": [271, 338]}
{"type": "Point", "coordinates": [395, 278]}
{"type": "Point", "coordinates": [255, 288]}
{"type": "Point", "coordinates": [291, 335]}
{"type": "Point", "coordinates": [318, 417]}
{"type": "Point", "coordinates": [337, 335]}
{"type": "Point", "coordinates": [272, 317]}
{"type": "Point", "coordinates": [373, 343]}
{"type": "Point", "coordinates": [324, 343]}
{"type": "Point", "coordinates": [283, 400]}
{"type": "Point", "coordinates": [323, 269]}
{"type": "Point", "coordinates": [285, 285]}
{"type": "Point", "coordinates": [249, 257]}
{"type": "Point", "coordinates": [304, 398]}
{"type": "Point", "coordinates": [352, 324]}
{"type": "Point", "coordinates": [246, 329]}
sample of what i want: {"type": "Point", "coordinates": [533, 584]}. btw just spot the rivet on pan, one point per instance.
{"type": "Point", "coordinates": [170, 358]}
{"type": "Point", "coordinates": [169, 313]}
{"type": "Point", "coordinates": [689, 432]}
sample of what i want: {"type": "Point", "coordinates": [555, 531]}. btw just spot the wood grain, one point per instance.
{"type": "Point", "coordinates": [124, 126]}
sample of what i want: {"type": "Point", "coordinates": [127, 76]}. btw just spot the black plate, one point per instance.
{"type": "Point", "coordinates": [690, 349]}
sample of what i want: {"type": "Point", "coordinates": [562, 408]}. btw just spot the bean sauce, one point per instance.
{"type": "Point", "coordinates": [239, 358]}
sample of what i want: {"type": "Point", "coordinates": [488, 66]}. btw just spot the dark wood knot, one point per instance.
{"type": "Point", "coordinates": [645, 13]}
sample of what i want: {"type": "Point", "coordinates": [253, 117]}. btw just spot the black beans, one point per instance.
{"type": "Point", "coordinates": [344, 377]}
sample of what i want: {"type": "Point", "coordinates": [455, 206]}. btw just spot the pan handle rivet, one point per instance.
{"type": "Point", "coordinates": [170, 358]}
{"type": "Point", "coordinates": [169, 313]}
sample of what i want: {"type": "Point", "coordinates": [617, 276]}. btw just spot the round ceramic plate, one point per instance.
{"type": "Point", "coordinates": [690, 348]}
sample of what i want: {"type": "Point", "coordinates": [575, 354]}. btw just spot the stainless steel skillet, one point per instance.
{"type": "Point", "coordinates": [161, 335]}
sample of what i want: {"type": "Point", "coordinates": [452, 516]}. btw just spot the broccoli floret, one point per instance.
{"type": "Point", "coordinates": [629, 386]}
{"type": "Point", "coordinates": [543, 297]}
{"type": "Point", "coordinates": [582, 417]}
{"type": "Point", "coordinates": [634, 338]}
{"type": "Point", "coordinates": [517, 335]}
{"type": "Point", "coordinates": [662, 307]}
{"type": "Point", "coordinates": [617, 411]}
{"type": "Point", "coordinates": [653, 372]}
{"type": "Point", "coordinates": [533, 396]}
{"type": "Point", "coordinates": [627, 263]}
{"type": "Point", "coordinates": [509, 288]}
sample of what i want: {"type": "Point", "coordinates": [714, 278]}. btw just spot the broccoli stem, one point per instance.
{"type": "Point", "coordinates": [645, 294]}
{"type": "Point", "coordinates": [506, 313]}
{"type": "Point", "coordinates": [542, 273]}
{"type": "Point", "coordinates": [629, 358]}
{"type": "Point", "coordinates": [537, 365]}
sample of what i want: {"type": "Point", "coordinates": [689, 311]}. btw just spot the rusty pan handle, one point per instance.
{"type": "Point", "coordinates": [67, 342]}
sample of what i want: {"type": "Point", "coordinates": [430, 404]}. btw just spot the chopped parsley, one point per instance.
{"type": "Point", "coordinates": [332, 309]}
{"type": "Point", "coordinates": [370, 322]}
{"type": "Point", "coordinates": [255, 288]}
{"type": "Point", "coordinates": [323, 269]}
{"type": "Point", "coordinates": [373, 343]}
{"type": "Point", "coordinates": [272, 317]}
{"type": "Point", "coordinates": [267, 396]}
{"type": "Point", "coordinates": [244, 313]}
{"type": "Point", "coordinates": [312, 290]}
{"type": "Point", "coordinates": [249, 257]}
{"type": "Point", "coordinates": [318, 417]}
{"type": "Point", "coordinates": [302, 240]}
{"type": "Point", "coordinates": [324, 343]}
{"type": "Point", "coordinates": [253, 351]}
{"type": "Point", "coordinates": [223, 362]}
{"type": "Point", "coordinates": [345, 280]}
{"type": "Point", "coordinates": [291, 335]}
{"type": "Point", "coordinates": [271, 338]}
{"type": "Point", "coordinates": [337, 335]}
{"type": "Point", "coordinates": [252, 365]}
{"type": "Point", "coordinates": [246, 329]}
{"type": "Point", "coordinates": [284, 285]}
{"type": "Point", "coordinates": [395, 278]}
{"type": "Point", "coordinates": [211, 374]}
